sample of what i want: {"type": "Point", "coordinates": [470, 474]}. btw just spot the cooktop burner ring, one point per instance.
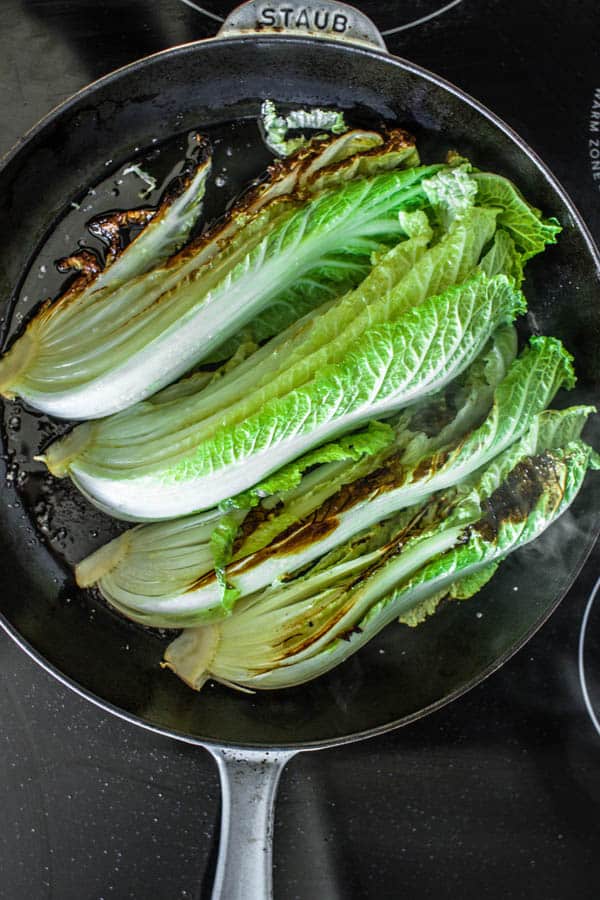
{"type": "Point", "coordinates": [581, 656]}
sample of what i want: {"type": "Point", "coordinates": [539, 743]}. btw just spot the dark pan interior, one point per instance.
{"type": "Point", "coordinates": [403, 672]}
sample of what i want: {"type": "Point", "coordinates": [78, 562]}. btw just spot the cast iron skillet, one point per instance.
{"type": "Point", "coordinates": [115, 664]}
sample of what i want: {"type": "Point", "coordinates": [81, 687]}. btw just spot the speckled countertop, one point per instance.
{"type": "Point", "coordinates": [496, 796]}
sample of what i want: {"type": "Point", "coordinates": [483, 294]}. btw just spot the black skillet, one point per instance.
{"type": "Point", "coordinates": [402, 675]}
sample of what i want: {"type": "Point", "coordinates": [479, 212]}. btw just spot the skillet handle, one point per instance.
{"type": "Point", "coordinates": [249, 781]}
{"type": "Point", "coordinates": [314, 18]}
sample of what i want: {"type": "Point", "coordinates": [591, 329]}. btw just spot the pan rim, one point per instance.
{"type": "Point", "coordinates": [381, 55]}
{"type": "Point", "coordinates": [580, 224]}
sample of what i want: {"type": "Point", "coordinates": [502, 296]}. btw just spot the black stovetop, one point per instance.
{"type": "Point", "coordinates": [497, 795]}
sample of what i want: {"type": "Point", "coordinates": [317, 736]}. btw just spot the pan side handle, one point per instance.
{"type": "Point", "coordinates": [313, 18]}
{"type": "Point", "coordinates": [249, 781]}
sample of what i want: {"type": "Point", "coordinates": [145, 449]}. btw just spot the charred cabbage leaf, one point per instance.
{"type": "Point", "coordinates": [92, 353]}
{"type": "Point", "coordinates": [291, 634]}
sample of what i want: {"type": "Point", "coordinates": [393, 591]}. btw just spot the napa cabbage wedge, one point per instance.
{"type": "Point", "coordinates": [293, 633]}
{"type": "Point", "coordinates": [391, 366]}
{"type": "Point", "coordinates": [91, 354]}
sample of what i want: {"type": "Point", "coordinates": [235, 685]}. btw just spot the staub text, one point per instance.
{"type": "Point", "coordinates": [312, 19]}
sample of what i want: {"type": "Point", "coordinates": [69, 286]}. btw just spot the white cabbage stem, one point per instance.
{"type": "Point", "coordinates": [103, 561]}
